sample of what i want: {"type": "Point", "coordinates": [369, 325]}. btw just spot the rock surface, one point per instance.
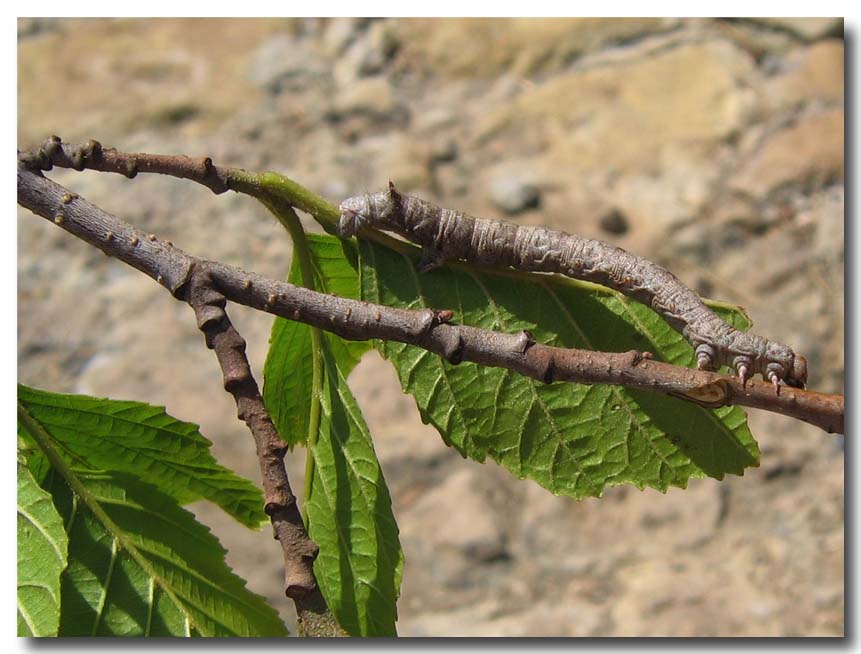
{"type": "Point", "coordinates": [720, 143]}
{"type": "Point", "coordinates": [512, 195]}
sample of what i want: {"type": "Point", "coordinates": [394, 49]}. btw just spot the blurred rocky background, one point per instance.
{"type": "Point", "coordinates": [714, 147]}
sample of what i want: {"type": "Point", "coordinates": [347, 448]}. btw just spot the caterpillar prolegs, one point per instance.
{"type": "Point", "coordinates": [448, 234]}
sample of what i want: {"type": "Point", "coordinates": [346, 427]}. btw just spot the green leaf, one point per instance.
{"type": "Point", "coordinates": [42, 547]}
{"type": "Point", "coordinates": [146, 442]}
{"type": "Point", "coordinates": [138, 563]}
{"type": "Point", "coordinates": [287, 372]}
{"type": "Point", "coordinates": [348, 508]}
{"type": "Point", "coordinates": [572, 439]}
{"type": "Point", "coordinates": [350, 517]}
{"type": "Point", "coordinates": [149, 570]}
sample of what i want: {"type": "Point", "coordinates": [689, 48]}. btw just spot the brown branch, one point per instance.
{"type": "Point", "coordinates": [91, 155]}
{"type": "Point", "coordinates": [279, 502]}
{"type": "Point", "coordinates": [428, 329]}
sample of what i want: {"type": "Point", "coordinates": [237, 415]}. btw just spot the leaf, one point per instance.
{"type": "Point", "coordinates": [149, 570]}
{"type": "Point", "coordinates": [138, 563]}
{"type": "Point", "coordinates": [572, 439]}
{"type": "Point", "coordinates": [287, 372]}
{"type": "Point", "coordinates": [350, 517]}
{"type": "Point", "coordinates": [144, 441]}
{"type": "Point", "coordinates": [42, 548]}
{"type": "Point", "coordinates": [349, 509]}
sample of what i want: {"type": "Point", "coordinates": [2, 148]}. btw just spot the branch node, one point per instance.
{"type": "Point", "coordinates": [234, 377]}
{"type": "Point", "coordinates": [524, 341]}
{"type": "Point", "coordinates": [208, 314]}
{"type": "Point", "coordinates": [206, 300]}
{"type": "Point", "coordinates": [454, 350]}
{"type": "Point", "coordinates": [637, 357]}
{"type": "Point", "coordinates": [49, 148]}
{"type": "Point", "coordinates": [78, 159]}
{"type": "Point", "coordinates": [130, 169]}
{"type": "Point", "coordinates": [427, 321]}
{"type": "Point", "coordinates": [299, 587]}
{"type": "Point", "coordinates": [93, 150]}
{"type": "Point", "coordinates": [272, 507]}
{"type": "Point", "coordinates": [444, 316]}
{"type": "Point", "coordinates": [549, 370]}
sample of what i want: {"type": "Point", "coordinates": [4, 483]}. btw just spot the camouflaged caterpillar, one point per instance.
{"type": "Point", "coordinates": [448, 234]}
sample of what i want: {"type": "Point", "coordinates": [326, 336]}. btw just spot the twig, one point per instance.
{"type": "Point", "coordinates": [279, 502]}
{"type": "Point", "coordinates": [91, 155]}
{"type": "Point", "coordinates": [267, 187]}
{"type": "Point", "coordinates": [428, 329]}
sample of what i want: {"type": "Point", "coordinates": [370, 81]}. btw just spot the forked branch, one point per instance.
{"type": "Point", "coordinates": [279, 501]}
{"type": "Point", "coordinates": [428, 329]}
{"type": "Point", "coordinates": [280, 504]}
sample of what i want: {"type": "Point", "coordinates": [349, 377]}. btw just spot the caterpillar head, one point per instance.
{"type": "Point", "coordinates": [369, 210]}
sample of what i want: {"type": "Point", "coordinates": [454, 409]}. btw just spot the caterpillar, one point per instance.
{"type": "Point", "coordinates": [448, 234]}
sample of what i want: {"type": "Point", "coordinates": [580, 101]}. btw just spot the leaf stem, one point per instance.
{"type": "Point", "coordinates": [287, 217]}
{"type": "Point", "coordinates": [298, 196]}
